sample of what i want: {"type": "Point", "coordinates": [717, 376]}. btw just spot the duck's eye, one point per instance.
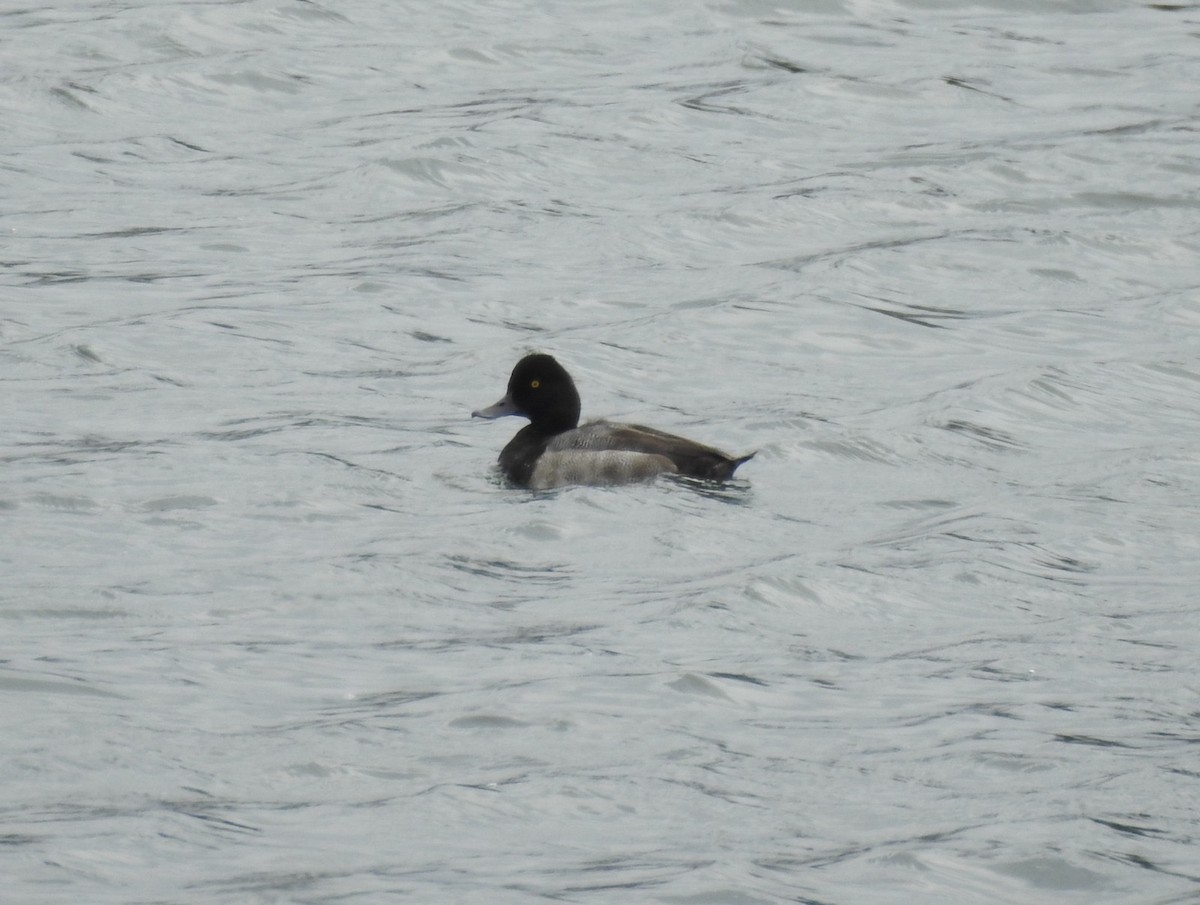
{"type": "Point", "coordinates": [534, 384]}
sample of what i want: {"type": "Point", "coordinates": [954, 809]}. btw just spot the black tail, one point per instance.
{"type": "Point", "coordinates": [733, 465]}
{"type": "Point", "coordinates": [712, 467]}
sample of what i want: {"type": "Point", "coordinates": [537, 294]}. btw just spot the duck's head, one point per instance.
{"type": "Point", "coordinates": [541, 390]}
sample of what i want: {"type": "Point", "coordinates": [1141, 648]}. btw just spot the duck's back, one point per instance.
{"type": "Point", "coordinates": [665, 452]}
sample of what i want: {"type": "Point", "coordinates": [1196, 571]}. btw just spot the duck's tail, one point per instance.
{"type": "Point", "coordinates": [711, 465]}
{"type": "Point", "coordinates": [719, 468]}
{"type": "Point", "coordinates": [734, 463]}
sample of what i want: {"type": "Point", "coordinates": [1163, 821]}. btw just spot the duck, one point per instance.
{"type": "Point", "coordinates": [555, 450]}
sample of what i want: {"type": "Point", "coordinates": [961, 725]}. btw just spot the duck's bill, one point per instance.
{"type": "Point", "coordinates": [504, 407]}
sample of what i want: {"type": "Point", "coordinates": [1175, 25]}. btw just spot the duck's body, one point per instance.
{"type": "Point", "coordinates": [554, 450]}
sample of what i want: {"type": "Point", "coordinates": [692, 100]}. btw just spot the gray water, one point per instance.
{"type": "Point", "coordinates": [272, 629]}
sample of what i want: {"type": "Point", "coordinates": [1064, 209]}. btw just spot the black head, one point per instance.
{"type": "Point", "coordinates": [541, 390]}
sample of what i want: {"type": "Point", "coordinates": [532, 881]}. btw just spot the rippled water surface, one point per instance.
{"type": "Point", "coordinates": [273, 630]}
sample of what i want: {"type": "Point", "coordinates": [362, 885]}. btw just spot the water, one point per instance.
{"type": "Point", "coordinates": [274, 631]}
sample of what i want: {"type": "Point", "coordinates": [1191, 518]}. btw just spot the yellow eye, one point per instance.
{"type": "Point", "coordinates": [535, 384]}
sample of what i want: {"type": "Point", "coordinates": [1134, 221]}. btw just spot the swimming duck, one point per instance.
{"type": "Point", "coordinates": [553, 449]}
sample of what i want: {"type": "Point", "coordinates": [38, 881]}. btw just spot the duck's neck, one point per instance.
{"type": "Point", "coordinates": [518, 458]}
{"type": "Point", "coordinates": [551, 427]}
